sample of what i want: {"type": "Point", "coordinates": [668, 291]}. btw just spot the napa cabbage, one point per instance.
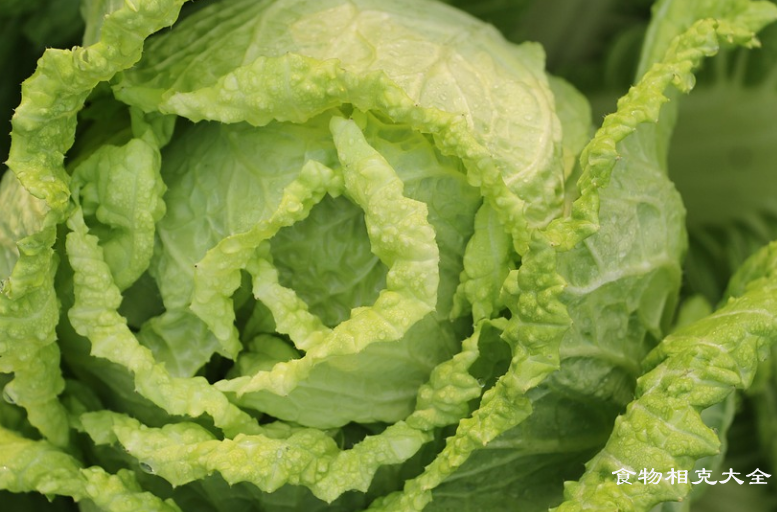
{"type": "Point", "coordinates": [366, 255]}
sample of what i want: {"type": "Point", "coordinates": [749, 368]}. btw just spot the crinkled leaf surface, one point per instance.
{"type": "Point", "coordinates": [344, 255]}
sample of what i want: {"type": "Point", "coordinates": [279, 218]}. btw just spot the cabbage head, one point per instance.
{"type": "Point", "coordinates": [355, 255]}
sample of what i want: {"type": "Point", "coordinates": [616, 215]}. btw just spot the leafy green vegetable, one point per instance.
{"type": "Point", "coordinates": [295, 255]}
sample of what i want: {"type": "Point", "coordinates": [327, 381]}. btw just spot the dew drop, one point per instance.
{"type": "Point", "coordinates": [231, 246]}
{"type": "Point", "coordinates": [8, 397]}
